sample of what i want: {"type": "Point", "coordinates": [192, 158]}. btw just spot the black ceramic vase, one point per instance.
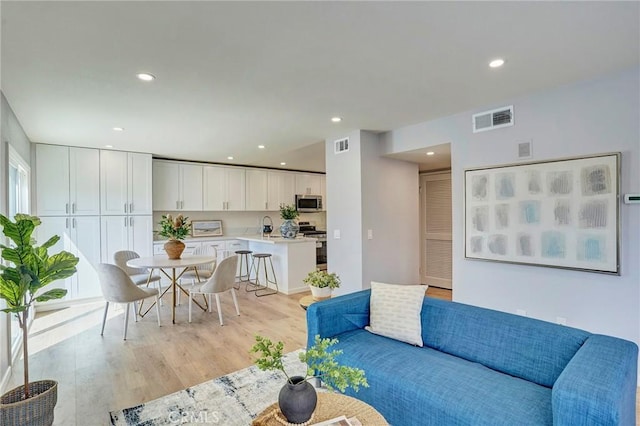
{"type": "Point", "coordinates": [297, 400]}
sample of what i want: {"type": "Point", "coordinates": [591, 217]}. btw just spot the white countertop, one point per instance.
{"type": "Point", "coordinates": [276, 240]}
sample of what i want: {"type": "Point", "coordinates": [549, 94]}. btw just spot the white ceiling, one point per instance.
{"type": "Point", "coordinates": [233, 75]}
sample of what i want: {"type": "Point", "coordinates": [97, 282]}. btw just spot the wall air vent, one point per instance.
{"type": "Point", "coordinates": [341, 145]}
{"type": "Point", "coordinates": [494, 119]}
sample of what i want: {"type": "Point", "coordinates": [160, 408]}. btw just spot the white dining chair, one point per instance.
{"type": "Point", "coordinates": [201, 273]}
{"type": "Point", "coordinates": [117, 287]}
{"type": "Point", "coordinates": [222, 280]}
{"type": "Point", "coordinates": [139, 276]}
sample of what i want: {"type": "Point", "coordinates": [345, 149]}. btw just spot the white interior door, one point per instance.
{"type": "Point", "coordinates": [435, 214]}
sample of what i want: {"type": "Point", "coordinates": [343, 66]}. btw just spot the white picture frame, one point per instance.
{"type": "Point", "coordinates": [561, 213]}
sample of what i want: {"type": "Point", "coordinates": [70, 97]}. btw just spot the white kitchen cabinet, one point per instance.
{"type": "Point", "coordinates": [256, 190]}
{"type": "Point", "coordinates": [224, 188]}
{"type": "Point", "coordinates": [78, 235]}
{"type": "Point", "coordinates": [125, 183]}
{"type": "Point", "coordinates": [281, 190]}
{"type": "Point", "coordinates": [126, 233]}
{"type": "Point", "coordinates": [177, 186]}
{"type": "Point", "coordinates": [308, 184]}
{"type": "Point", "coordinates": [67, 181]}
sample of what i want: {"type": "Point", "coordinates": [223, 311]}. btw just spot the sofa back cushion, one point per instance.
{"type": "Point", "coordinates": [527, 348]}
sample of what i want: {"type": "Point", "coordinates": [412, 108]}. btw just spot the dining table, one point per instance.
{"type": "Point", "coordinates": [176, 268]}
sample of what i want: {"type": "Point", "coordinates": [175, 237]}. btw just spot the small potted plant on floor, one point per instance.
{"type": "Point", "coordinates": [30, 269]}
{"type": "Point", "coordinates": [175, 230]}
{"type": "Point", "coordinates": [289, 228]}
{"type": "Point", "coordinates": [298, 398]}
{"type": "Point", "coordinates": [321, 284]}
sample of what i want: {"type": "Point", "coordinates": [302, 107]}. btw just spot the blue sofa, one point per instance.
{"type": "Point", "coordinates": [483, 367]}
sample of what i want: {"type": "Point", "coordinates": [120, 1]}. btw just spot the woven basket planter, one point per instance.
{"type": "Point", "coordinates": [35, 411]}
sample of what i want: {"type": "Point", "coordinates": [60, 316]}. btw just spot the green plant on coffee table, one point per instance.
{"type": "Point", "coordinates": [289, 212]}
{"type": "Point", "coordinates": [174, 229]}
{"type": "Point", "coordinates": [321, 363]}
{"type": "Point", "coordinates": [322, 279]}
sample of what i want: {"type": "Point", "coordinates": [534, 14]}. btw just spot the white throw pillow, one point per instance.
{"type": "Point", "coordinates": [395, 311]}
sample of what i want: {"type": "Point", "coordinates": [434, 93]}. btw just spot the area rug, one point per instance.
{"type": "Point", "coordinates": [234, 399]}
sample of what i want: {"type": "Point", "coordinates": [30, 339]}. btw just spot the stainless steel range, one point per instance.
{"type": "Point", "coordinates": [308, 230]}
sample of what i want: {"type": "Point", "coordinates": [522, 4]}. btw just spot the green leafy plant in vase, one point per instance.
{"type": "Point", "coordinates": [298, 398]}
{"type": "Point", "coordinates": [289, 228]}
{"type": "Point", "coordinates": [321, 283]}
{"type": "Point", "coordinates": [30, 268]}
{"type": "Point", "coordinates": [175, 230]}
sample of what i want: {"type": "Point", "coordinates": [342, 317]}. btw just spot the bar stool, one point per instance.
{"type": "Point", "coordinates": [243, 257]}
{"type": "Point", "coordinates": [262, 289]}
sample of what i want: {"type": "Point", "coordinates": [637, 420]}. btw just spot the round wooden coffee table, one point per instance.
{"type": "Point", "coordinates": [330, 405]}
{"type": "Point", "coordinates": [306, 301]}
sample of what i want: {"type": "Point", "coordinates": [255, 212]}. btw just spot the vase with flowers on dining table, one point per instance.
{"type": "Point", "coordinates": [175, 229]}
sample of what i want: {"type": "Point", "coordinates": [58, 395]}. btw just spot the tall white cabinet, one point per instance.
{"type": "Point", "coordinates": [126, 233]}
{"type": "Point", "coordinates": [125, 183]}
{"type": "Point", "coordinates": [98, 202]}
{"type": "Point", "coordinates": [67, 181]}
{"type": "Point", "coordinates": [126, 203]}
{"type": "Point", "coordinates": [78, 235]}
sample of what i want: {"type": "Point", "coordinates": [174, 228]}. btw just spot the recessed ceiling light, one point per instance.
{"type": "Point", "coordinates": [108, 146]}
{"type": "Point", "coordinates": [283, 164]}
{"type": "Point", "coordinates": [229, 158]}
{"type": "Point", "coordinates": [118, 129]}
{"type": "Point", "coordinates": [336, 119]}
{"type": "Point", "coordinates": [496, 63]}
{"type": "Point", "coordinates": [145, 76]}
{"type": "Point", "coordinates": [261, 146]}
{"type": "Point", "coordinates": [430, 153]}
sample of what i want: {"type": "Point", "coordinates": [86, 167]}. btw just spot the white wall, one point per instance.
{"type": "Point", "coordinates": [369, 192]}
{"type": "Point", "coordinates": [10, 131]}
{"type": "Point", "coordinates": [344, 198]}
{"type": "Point", "coordinates": [390, 206]}
{"type": "Point", "coordinates": [584, 118]}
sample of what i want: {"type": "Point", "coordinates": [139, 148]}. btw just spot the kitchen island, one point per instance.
{"type": "Point", "coordinates": [292, 259]}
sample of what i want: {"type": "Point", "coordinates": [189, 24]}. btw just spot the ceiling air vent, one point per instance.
{"type": "Point", "coordinates": [494, 119]}
{"type": "Point", "coordinates": [341, 145]}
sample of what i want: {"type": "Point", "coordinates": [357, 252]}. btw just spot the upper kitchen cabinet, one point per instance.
{"type": "Point", "coordinates": [256, 190]}
{"type": "Point", "coordinates": [67, 181]}
{"type": "Point", "coordinates": [224, 188]}
{"type": "Point", "coordinates": [308, 184]}
{"type": "Point", "coordinates": [281, 189]}
{"type": "Point", "coordinates": [126, 184]}
{"type": "Point", "coordinates": [177, 186]}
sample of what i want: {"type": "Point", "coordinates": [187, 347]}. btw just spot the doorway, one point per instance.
{"type": "Point", "coordinates": [435, 229]}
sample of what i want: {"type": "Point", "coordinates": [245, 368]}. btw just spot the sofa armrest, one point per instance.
{"type": "Point", "coordinates": [331, 317]}
{"type": "Point", "coordinates": [598, 386]}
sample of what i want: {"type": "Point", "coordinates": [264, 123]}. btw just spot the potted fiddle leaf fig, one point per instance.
{"type": "Point", "coordinates": [297, 399]}
{"type": "Point", "coordinates": [30, 268]}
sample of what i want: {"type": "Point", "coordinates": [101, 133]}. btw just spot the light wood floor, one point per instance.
{"type": "Point", "coordinates": [101, 374]}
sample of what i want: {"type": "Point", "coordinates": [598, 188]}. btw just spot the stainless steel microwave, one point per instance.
{"type": "Point", "coordinates": [308, 203]}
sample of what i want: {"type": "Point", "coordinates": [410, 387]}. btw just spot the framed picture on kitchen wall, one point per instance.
{"type": "Point", "coordinates": [206, 228]}
{"type": "Point", "coordinates": [561, 213]}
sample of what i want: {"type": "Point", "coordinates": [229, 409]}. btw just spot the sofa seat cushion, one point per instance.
{"type": "Point", "coordinates": [422, 386]}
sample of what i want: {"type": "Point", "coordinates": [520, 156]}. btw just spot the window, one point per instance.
{"type": "Point", "coordinates": [18, 184]}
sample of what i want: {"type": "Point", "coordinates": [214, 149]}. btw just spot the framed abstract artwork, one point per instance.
{"type": "Point", "coordinates": [558, 213]}
{"type": "Point", "coordinates": [206, 228]}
